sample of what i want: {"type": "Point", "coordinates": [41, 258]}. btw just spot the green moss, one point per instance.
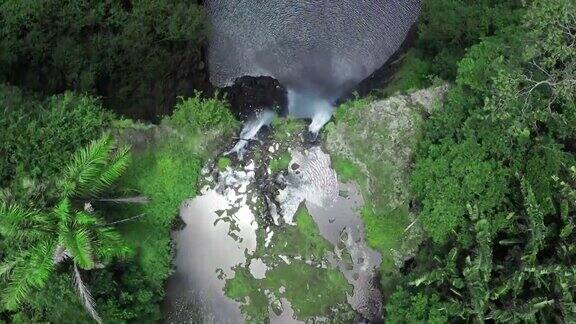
{"type": "Point", "coordinates": [280, 163]}
{"type": "Point", "coordinates": [310, 289]}
{"type": "Point", "coordinates": [223, 163]}
{"type": "Point", "coordinates": [384, 184]}
{"type": "Point", "coordinates": [248, 290]}
{"type": "Point", "coordinates": [347, 171]}
{"type": "Point", "coordinates": [285, 128]}
{"type": "Point", "coordinates": [385, 231]}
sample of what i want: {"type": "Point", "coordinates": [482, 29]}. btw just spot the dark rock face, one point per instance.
{"type": "Point", "coordinates": [324, 46]}
{"type": "Point", "coordinates": [249, 94]}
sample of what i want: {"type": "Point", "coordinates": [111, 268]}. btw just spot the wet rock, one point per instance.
{"type": "Point", "coordinates": [251, 93]}
{"type": "Point", "coordinates": [310, 137]}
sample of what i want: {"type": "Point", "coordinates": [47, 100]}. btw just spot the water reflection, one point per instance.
{"type": "Point", "coordinates": [221, 234]}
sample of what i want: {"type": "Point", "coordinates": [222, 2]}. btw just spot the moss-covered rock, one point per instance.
{"type": "Point", "coordinates": [371, 142]}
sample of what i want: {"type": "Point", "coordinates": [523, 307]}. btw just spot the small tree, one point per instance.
{"type": "Point", "coordinates": [67, 232]}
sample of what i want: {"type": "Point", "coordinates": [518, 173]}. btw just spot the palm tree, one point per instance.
{"type": "Point", "coordinates": [66, 232]}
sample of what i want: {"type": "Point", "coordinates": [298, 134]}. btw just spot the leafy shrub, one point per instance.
{"type": "Point", "coordinates": [451, 176]}
{"type": "Point", "coordinates": [196, 115]}
{"type": "Point", "coordinates": [448, 27]}
{"type": "Point", "coordinates": [496, 179]}
{"type": "Point", "coordinates": [37, 138]}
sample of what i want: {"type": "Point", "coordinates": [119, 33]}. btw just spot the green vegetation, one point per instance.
{"type": "Point", "coordinates": [166, 171]}
{"type": "Point", "coordinates": [494, 173]}
{"type": "Point", "coordinates": [128, 263]}
{"type": "Point", "coordinates": [37, 137]}
{"type": "Point", "coordinates": [133, 53]}
{"type": "Point", "coordinates": [38, 240]}
{"type": "Point", "coordinates": [413, 74]}
{"type": "Point", "coordinates": [479, 192]}
{"type": "Point", "coordinates": [286, 128]}
{"type": "Point", "coordinates": [280, 163]}
{"type": "Point", "coordinates": [311, 289]}
{"type": "Point", "coordinates": [223, 163]}
{"type": "Point", "coordinates": [371, 144]}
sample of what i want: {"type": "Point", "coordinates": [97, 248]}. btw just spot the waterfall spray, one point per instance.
{"type": "Point", "coordinates": [250, 130]}
{"type": "Point", "coordinates": [310, 106]}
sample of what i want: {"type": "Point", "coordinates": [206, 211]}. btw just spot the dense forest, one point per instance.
{"type": "Point", "coordinates": [494, 176]}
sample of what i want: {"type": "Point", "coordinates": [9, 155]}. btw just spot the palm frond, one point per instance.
{"type": "Point", "coordinates": [85, 296]}
{"type": "Point", "coordinates": [62, 213]}
{"type": "Point", "coordinates": [31, 271]}
{"type": "Point", "coordinates": [113, 170]}
{"type": "Point", "coordinates": [20, 224]}
{"type": "Point", "coordinates": [79, 245]}
{"type": "Point", "coordinates": [6, 268]}
{"type": "Point", "coordinates": [111, 244]}
{"type": "Point", "coordinates": [84, 219]}
{"type": "Point", "coordinates": [87, 165]}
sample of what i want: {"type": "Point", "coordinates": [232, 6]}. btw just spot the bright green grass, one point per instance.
{"type": "Point", "coordinates": [223, 163]}
{"type": "Point", "coordinates": [347, 171]}
{"type": "Point", "coordinates": [280, 163]}
{"type": "Point", "coordinates": [167, 175]}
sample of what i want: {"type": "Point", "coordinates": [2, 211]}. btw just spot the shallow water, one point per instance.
{"type": "Point", "coordinates": [206, 253]}
{"type": "Point", "coordinates": [221, 233]}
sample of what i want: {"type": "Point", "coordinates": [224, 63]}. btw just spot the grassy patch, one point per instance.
{"type": "Point", "coordinates": [347, 171]}
{"type": "Point", "coordinates": [167, 176]}
{"type": "Point", "coordinates": [280, 163]}
{"type": "Point", "coordinates": [285, 128]}
{"type": "Point", "coordinates": [223, 163]}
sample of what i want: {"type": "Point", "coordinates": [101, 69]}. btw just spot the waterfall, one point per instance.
{"type": "Point", "coordinates": [317, 49]}
{"type": "Point", "coordinates": [310, 106]}
{"type": "Point", "coordinates": [250, 130]}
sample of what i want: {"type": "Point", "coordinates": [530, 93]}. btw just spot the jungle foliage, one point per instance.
{"type": "Point", "coordinates": [132, 53]}
{"type": "Point", "coordinates": [63, 240]}
{"type": "Point", "coordinates": [63, 64]}
{"type": "Point", "coordinates": [495, 171]}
